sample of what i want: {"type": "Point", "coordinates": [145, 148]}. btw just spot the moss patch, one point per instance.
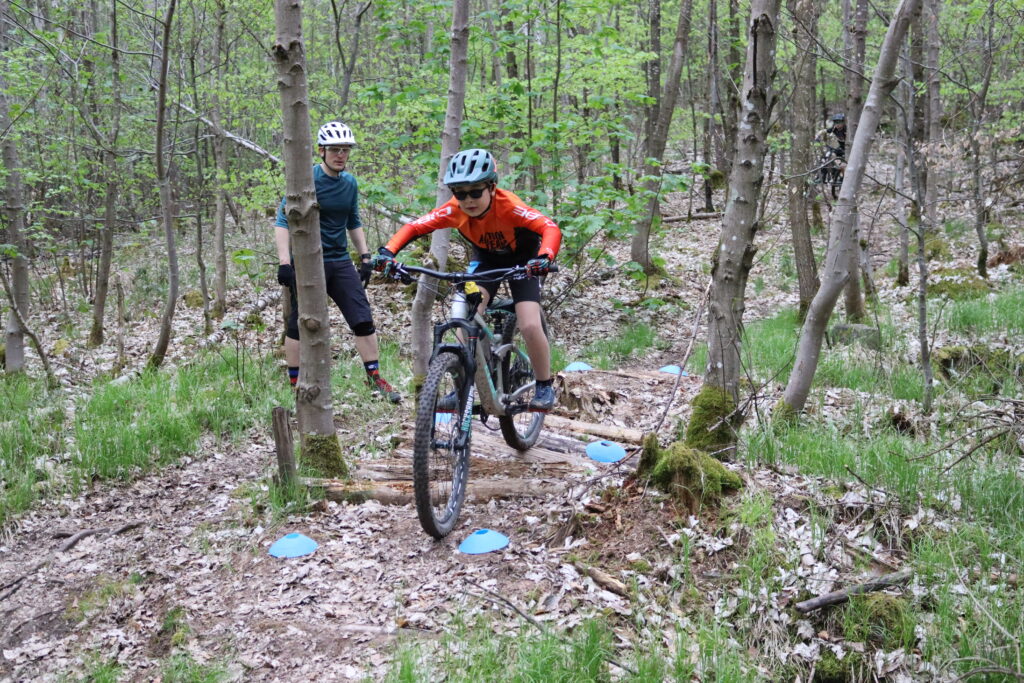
{"type": "Point", "coordinates": [958, 284]}
{"type": "Point", "coordinates": [881, 618]}
{"type": "Point", "coordinates": [322, 452]}
{"type": "Point", "coordinates": [952, 361]}
{"type": "Point", "coordinates": [710, 408]}
{"type": "Point", "coordinates": [691, 476]}
{"type": "Point", "coordinates": [831, 669]}
{"type": "Point", "coordinates": [193, 298]}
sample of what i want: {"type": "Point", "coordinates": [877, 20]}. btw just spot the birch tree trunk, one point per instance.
{"type": "Point", "coordinates": [422, 329]}
{"type": "Point", "coordinates": [661, 115]}
{"type": "Point", "coordinates": [802, 161]}
{"type": "Point", "coordinates": [840, 243]}
{"type": "Point", "coordinates": [166, 203]}
{"type": "Point", "coordinates": [319, 441]}
{"type": "Point", "coordinates": [713, 418]}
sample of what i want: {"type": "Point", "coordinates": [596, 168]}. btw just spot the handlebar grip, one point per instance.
{"type": "Point", "coordinates": [553, 268]}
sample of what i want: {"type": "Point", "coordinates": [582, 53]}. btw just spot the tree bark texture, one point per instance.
{"type": "Point", "coordinates": [14, 213]}
{"type": "Point", "coordinates": [661, 113]}
{"type": "Point", "coordinates": [451, 138]}
{"type": "Point", "coordinates": [166, 202]}
{"type": "Point", "coordinates": [735, 253]}
{"type": "Point", "coordinates": [802, 158]}
{"type": "Point", "coordinates": [841, 244]}
{"type": "Point", "coordinates": [96, 334]}
{"type": "Point", "coordinates": [855, 36]}
{"type": "Point", "coordinates": [313, 391]}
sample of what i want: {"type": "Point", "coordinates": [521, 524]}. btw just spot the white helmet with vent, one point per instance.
{"type": "Point", "coordinates": [335, 133]}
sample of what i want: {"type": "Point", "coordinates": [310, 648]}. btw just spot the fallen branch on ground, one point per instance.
{"type": "Point", "coordinates": [838, 597]}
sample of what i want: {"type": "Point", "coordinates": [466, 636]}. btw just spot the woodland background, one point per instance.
{"type": "Point", "coordinates": [142, 161]}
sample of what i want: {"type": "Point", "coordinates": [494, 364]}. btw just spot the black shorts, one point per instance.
{"type": "Point", "coordinates": [527, 289]}
{"type": "Point", "coordinates": [346, 290]}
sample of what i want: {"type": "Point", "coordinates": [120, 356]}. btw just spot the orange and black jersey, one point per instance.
{"type": "Point", "coordinates": [510, 227]}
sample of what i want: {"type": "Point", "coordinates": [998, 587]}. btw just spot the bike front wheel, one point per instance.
{"type": "Point", "coordinates": [440, 454]}
{"type": "Point", "coordinates": [520, 428]}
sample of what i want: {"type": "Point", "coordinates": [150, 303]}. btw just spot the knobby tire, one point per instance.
{"type": "Point", "coordinates": [440, 469]}
{"type": "Point", "coordinates": [522, 429]}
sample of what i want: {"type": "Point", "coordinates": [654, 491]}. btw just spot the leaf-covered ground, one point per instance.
{"type": "Point", "coordinates": [177, 571]}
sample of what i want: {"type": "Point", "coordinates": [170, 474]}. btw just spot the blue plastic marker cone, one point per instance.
{"type": "Point", "coordinates": [483, 541]}
{"type": "Point", "coordinates": [674, 370]}
{"type": "Point", "coordinates": [577, 366]}
{"type": "Point", "coordinates": [293, 545]}
{"type": "Point", "coordinates": [605, 451]}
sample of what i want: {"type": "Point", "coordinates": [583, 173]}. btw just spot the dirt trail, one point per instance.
{"type": "Point", "coordinates": [199, 554]}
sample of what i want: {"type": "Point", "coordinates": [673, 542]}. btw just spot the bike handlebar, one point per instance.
{"type": "Point", "coordinates": [403, 272]}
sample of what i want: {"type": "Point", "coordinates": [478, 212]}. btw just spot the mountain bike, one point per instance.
{"type": "Point", "coordinates": [475, 357]}
{"type": "Point", "coordinates": [830, 169]}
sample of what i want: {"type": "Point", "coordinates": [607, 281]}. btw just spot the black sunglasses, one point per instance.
{"type": "Point", "coordinates": [475, 194]}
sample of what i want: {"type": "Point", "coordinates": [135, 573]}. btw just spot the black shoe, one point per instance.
{"type": "Point", "coordinates": [448, 403]}
{"type": "Point", "coordinates": [543, 399]}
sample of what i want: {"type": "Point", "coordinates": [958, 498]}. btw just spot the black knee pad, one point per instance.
{"type": "Point", "coordinates": [364, 329]}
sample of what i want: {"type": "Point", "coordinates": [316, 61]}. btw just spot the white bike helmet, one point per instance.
{"type": "Point", "coordinates": [335, 133]}
{"type": "Point", "coordinates": [471, 166]}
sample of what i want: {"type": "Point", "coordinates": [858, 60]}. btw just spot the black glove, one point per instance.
{"type": "Point", "coordinates": [365, 270]}
{"type": "Point", "coordinates": [286, 275]}
{"type": "Point", "coordinates": [383, 261]}
{"type": "Point", "coordinates": [538, 266]}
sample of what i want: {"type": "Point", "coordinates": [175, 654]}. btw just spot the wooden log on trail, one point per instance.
{"type": "Point", "coordinates": [606, 431]}
{"type": "Point", "coordinates": [837, 597]}
{"type": "Point", "coordinates": [401, 493]}
{"type": "Point", "coordinates": [696, 216]}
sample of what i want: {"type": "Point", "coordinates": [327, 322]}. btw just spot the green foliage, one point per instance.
{"type": "Point", "coordinates": [1003, 312]}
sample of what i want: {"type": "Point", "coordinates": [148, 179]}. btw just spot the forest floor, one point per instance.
{"type": "Point", "coordinates": [175, 564]}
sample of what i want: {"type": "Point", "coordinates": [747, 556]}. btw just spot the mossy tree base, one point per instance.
{"type": "Point", "coordinates": [322, 452]}
{"type": "Point", "coordinates": [712, 422]}
{"type": "Point", "coordinates": [692, 477]}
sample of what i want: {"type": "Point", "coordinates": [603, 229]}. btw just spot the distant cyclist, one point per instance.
{"type": "Point", "coordinates": [504, 232]}
{"type": "Point", "coordinates": [337, 195]}
{"type": "Point", "coordinates": [834, 134]}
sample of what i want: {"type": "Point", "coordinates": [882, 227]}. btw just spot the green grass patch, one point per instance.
{"type": "Point", "coordinates": [123, 430]}
{"type": "Point", "coordinates": [1003, 312]}
{"type": "Point", "coordinates": [609, 352]}
{"type": "Point", "coordinates": [769, 346]}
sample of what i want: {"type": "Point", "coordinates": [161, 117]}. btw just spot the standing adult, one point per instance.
{"type": "Point", "coordinates": [337, 195]}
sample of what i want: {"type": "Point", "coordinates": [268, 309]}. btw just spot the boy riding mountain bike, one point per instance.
{"type": "Point", "coordinates": [504, 232]}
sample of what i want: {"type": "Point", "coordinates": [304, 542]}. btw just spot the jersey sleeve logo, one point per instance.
{"type": "Point", "coordinates": [434, 215]}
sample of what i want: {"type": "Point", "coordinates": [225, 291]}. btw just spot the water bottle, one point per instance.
{"type": "Point", "coordinates": [459, 307]}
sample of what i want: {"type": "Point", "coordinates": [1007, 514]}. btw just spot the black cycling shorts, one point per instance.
{"type": "Point", "coordinates": [345, 289]}
{"type": "Point", "coordinates": [527, 289]}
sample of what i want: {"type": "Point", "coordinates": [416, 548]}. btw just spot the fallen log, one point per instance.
{"type": "Point", "coordinates": [401, 494]}
{"type": "Point", "coordinates": [838, 597]}
{"type": "Point", "coordinates": [606, 431]}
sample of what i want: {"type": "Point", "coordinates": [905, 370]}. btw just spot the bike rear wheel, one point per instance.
{"type": "Point", "coordinates": [520, 428]}
{"type": "Point", "coordinates": [440, 454]}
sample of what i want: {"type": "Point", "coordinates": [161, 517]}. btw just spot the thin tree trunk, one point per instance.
{"type": "Point", "coordinates": [734, 254]}
{"type": "Point", "coordinates": [113, 183]}
{"type": "Point", "coordinates": [348, 64]}
{"type": "Point", "coordinates": [841, 244]}
{"type": "Point", "coordinates": [934, 103]}
{"type": "Point", "coordinates": [661, 114]}
{"type": "Point", "coordinates": [313, 407]}
{"type": "Point", "coordinates": [855, 36]}
{"type": "Point", "coordinates": [166, 201]}
{"type": "Point", "coordinates": [14, 211]}
{"type": "Point", "coordinates": [978, 109]}
{"type": "Point", "coordinates": [802, 161]}
{"type": "Point", "coordinates": [422, 338]}
{"type": "Point", "coordinates": [220, 207]}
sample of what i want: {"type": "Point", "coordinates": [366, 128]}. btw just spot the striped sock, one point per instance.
{"type": "Point", "coordinates": [293, 375]}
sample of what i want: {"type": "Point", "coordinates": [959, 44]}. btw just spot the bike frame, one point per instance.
{"type": "Point", "coordinates": [482, 354]}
